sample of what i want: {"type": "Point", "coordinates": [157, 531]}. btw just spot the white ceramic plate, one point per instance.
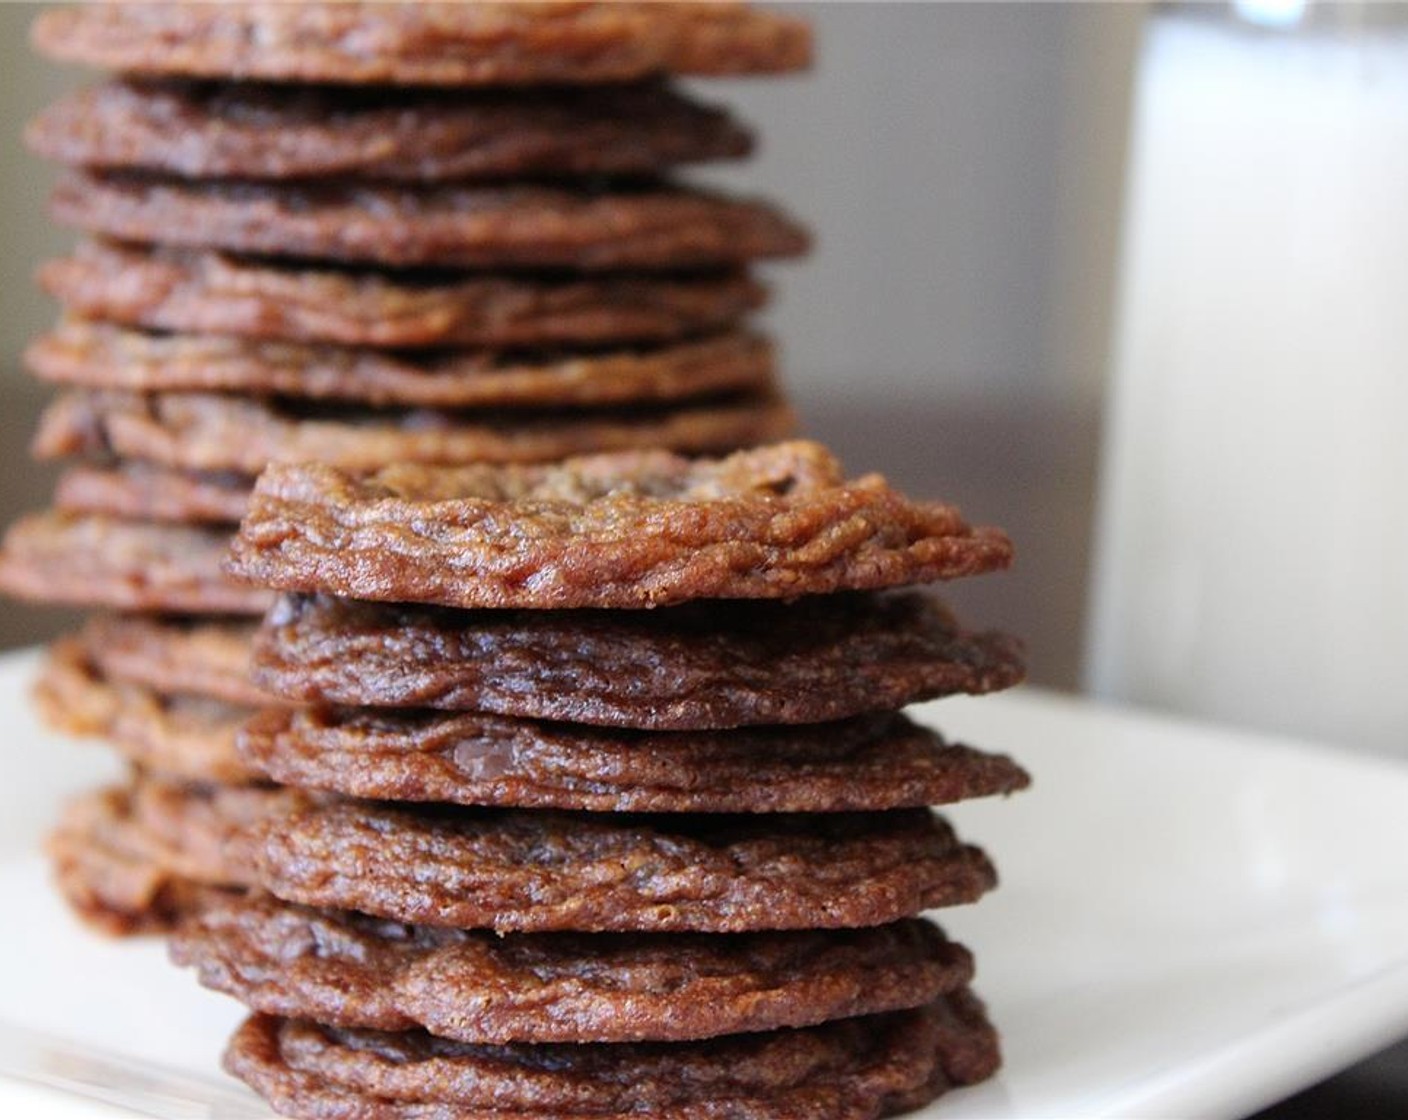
{"type": "Point", "coordinates": [1192, 923]}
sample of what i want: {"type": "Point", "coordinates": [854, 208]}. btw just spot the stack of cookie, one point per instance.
{"type": "Point", "coordinates": [602, 803]}
{"type": "Point", "coordinates": [356, 233]}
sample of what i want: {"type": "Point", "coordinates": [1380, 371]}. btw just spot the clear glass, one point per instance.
{"type": "Point", "coordinates": [1252, 548]}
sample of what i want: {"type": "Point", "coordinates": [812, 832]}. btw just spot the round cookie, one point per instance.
{"type": "Point", "coordinates": [535, 870]}
{"type": "Point", "coordinates": [867, 763]}
{"type": "Point", "coordinates": [712, 664]}
{"type": "Point", "coordinates": [640, 529]}
{"type": "Point", "coordinates": [199, 130]}
{"type": "Point", "coordinates": [182, 737]}
{"type": "Point", "coordinates": [215, 432]}
{"type": "Point", "coordinates": [98, 561]}
{"type": "Point", "coordinates": [142, 492]}
{"type": "Point", "coordinates": [535, 43]}
{"type": "Point", "coordinates": [852, 1069]}
{"type": "Point", "coordinates": [349, 970]}
{"type": "Point", "coordinates": [491, 227]}
{"type": "Point", "coordinates": [102, 356]}
{"type": "Point", "coordinates": [197, 291]}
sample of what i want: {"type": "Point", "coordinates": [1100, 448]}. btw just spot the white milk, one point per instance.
{"type": "Point", "coordinates": [1252, 551]}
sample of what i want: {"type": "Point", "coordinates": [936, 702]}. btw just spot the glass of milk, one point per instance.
{"type": "Point", "coordinates": [1252, 541]}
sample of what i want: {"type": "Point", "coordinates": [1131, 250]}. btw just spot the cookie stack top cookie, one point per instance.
{"type": "Point", "coordinates": [643, 530]}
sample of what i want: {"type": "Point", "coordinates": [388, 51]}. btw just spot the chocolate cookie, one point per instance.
{"type": "Point", "coordinates": [212, 432]}
{"type": "Point", "coordinates": [102, 356]}
{"type": "Point", "coordinates": [97, 561]}
{"type": "Point", "coordinates": [136, 857]}
{"type": "Point", "coordinates": [142, 492]}
{"type": "Point", "coordinates": [348, 970]}
{"type": "Point", "coordinates": [629, 530]}
{"type": "Point", "coordinates": [491, 227]}
{"type": "Point", "coordinates": [711, 664]}
{"type": "Point", "coordinates": [852, 1069]}
{"type": "Point", "coordinates": [194, 291]}
{"type": "Point", "coordinates": [534, 870]}
{"type": "Point", "coordinates": [206, 130]}
{"type": "Point", "coordinates": [871, 762]}
{"type": "Point", "coordinates": [427, 44]}
{"type": "Point", "coordinates": [182, 737]}
{"type": "Point", "coordinates": [193, 657]}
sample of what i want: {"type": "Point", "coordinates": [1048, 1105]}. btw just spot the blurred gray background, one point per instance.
{"type": "Point", "coordinates": [961, 165]}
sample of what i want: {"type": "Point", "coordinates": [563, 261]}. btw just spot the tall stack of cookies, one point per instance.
{"type": "Point", "coordinates": [599, 799]}
{"type": "Point", "coordinates": [576, 785]}
{"type": "Point", "coordinates": [362, 234]}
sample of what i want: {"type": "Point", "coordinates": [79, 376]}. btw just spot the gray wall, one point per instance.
{"type": "Point", "coordinates": [961, 166]}
{"type": "Point", "coordinates": [26, 83]}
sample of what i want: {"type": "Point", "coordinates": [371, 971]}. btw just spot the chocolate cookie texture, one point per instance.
{"type": "Point", "coordinates": [141, 856]}
{"type": "Point", "coordinates": [101, 356]}
{"type": "Point", "coordinates": [869, 763]}
{"type": "Point", "coordinates": [510, 227]}
{"type": "Point", "coordinates": [852, 1069]}
{"type": "Point", "coordinates": [193, 291]}
{"type": "Point", "coordinates": [198, 656]}
{"type": "Point", "coordinates": [712, 664]}
{"type": "Point", "coordinates": [194, 825]}
{"type": "Point", "coordinates": [98, 561]}
{"type": "Point", "coordinates": [535, 870]}
{"type": "Point", "coordinates": [349, 970]}
{"type": "Point", "coordinates": [143, 492]}
{"type": "Point", "coordinates": [114, 874]}
{"type": "Point", "coordinates": [536, 43]}
{"type": "Point", "coordinates": [182, 737]}
{"type": "Point", "coordinates": [245, 131]}
{"type": "Point", "coordinates": [214, 432]}
{"type": "Point", "coordinates": [635, 530]}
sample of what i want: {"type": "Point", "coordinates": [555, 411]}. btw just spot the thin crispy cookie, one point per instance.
{"type": "Point", "coordinates": [868, 763]}
{"type": "Point", "coordinates": [98, 561]}
{"type": "Point", "coordinates": [635, 530]}
{"type": "Point", "coordinates": [210, 292]}
{"type": "Point", "coordinates": [102, 356]}
{"type": "Point", "coordinates": [243, 131]}
{"type": "Point", "coordinates": [712, 664]}
{"type": "Point", "coordinates": [427, 44]}
{"type": "Point", "coordinates": [508, 227]}
{"type": "Point", "coordinates": [215, 432]}
{"type": "Point", "coordinates": [536, 870]}
{"type": "Point", "coordinates": [852, 1069]}
{"type": "Point", "coordinates": [348, 970]}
